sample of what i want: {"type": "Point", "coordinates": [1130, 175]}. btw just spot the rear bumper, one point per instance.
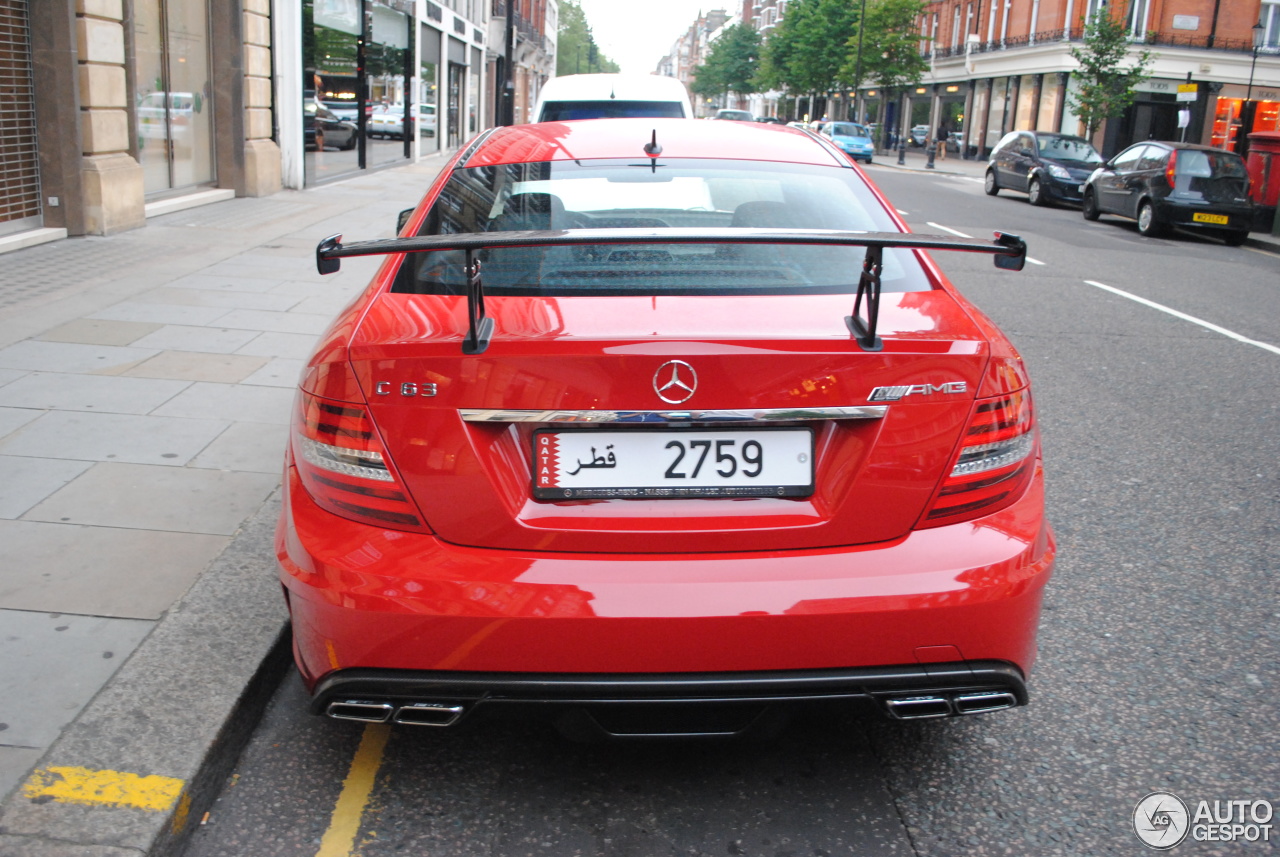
{"type": "Point", "coordinates": [1239, 218]}
{"type": "Point", "coordinates": [673, 704]}
{"type": "Point", "coordinates": [362, 598]}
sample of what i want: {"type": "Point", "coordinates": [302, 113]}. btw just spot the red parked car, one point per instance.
{"type": "Point", "coordinates": [660, 427]}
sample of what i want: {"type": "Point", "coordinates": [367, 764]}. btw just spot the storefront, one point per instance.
{"type": "Point", "coordinates": [1234, 117]}
{"type": "Point", "coordinates": [357, 58]}
{"type": "Point", "coordinates": [20, 188]}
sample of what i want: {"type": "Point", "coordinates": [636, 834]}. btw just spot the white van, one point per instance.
{"type": "Point", "coordinates": [608, 96]}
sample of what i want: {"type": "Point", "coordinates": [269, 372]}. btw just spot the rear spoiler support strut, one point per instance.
{"type": "Point", "coordinates": [1009, 251]}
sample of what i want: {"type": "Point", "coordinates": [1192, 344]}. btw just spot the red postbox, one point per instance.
{"type": "Point", "coordinates": [1264, 175]}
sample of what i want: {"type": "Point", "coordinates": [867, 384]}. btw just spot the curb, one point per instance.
{"type": "Point", "coordinates": [208, 670]}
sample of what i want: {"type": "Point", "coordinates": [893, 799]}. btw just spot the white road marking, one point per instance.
{"type": "Point", "coordinates": [900, 211]}
{"type": "Point", "coordinates": [1182, 315]}
{"type": "Point", "coordinates": [1035, 261]}
{"type": "Point", "coordinates": [947, 229]}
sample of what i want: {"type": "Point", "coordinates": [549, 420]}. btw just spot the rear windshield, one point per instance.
{"type": "Point", "coordinates": [1210, 165]}
{"type": "Point", "coordinates": [1068, 149]}
{"type": "Point", "coordinates": [687, 193]}
{"type": "Point", "coordinates": [567, 111]}
{"type": "Point", "coordinates": [848, 129]}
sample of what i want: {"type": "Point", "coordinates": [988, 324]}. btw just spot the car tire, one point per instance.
{"type": "Point", "coordinates": [1035, 193]}
{"type": "Point", "coordinates": [351, 143]}
{"type": "Point", "coordinates": [1089, 206]}
{"type": "Point", "coordinates": [1235, 239]}
{"type": "Point", "coordinates": [1148, 224]}
{"type": "Point", "coordinates": [868, 160]}
{"type": "Point", "coordinates": [989, 183]}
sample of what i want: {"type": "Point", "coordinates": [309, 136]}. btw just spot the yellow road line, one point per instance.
{"type": "Point", "coordinates": [344, 824]}
{"type": "Point", "coordinates": [153, 793]}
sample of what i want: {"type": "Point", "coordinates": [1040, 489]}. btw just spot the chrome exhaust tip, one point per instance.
{"type": "Point", "coordinates": [428, 714]}
{"type": "Point", "coordinates": [977, 703]}
{"type": "Point", "coordinates": [918, 707]}
{"type": "Point", "coordinates": [360, 710]}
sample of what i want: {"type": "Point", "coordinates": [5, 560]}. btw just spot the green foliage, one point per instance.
{"type": "Point", "coordinates": [1105, 88]}
{"type": "Point", "coordinates": [890, 46]}
{"type": "Point", "coordinates": [576, 49]}
{"type": "Point", "coordinates": [807, 50]}
{"type": "Point", "coordinates": [732, 64]}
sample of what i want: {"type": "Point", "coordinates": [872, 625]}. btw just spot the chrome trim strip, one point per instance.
{"type": "Point", "coordinates": [763, 415]}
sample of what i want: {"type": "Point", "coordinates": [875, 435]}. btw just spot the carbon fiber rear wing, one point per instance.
{"type": "Point", "coordinates": [1010, 254]}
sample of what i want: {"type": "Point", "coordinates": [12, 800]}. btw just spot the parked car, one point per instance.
{"type": "Point", "coordinates": [1164, 184]}
{"type": "Point", "coordinates": [800, 125]}
{"type": "Point", "coordinates": [736, 115]}
{"type": "Point", "coordinates": [919, 133]}
{"type": "Point", "coordinates": [387, 120]}
{"type": "Point", "coordinates": [772, 120]}
{"type": "Point", "coordinates": [321, 129]}
{"type": "Point", "coordinates": [166, 114]}
{"type": "Point", "coordinates": [345, 109]}
{"type": "Point", "coordinates": [653, 477]}
{"type": "Point", "coordinates": [426, 120]}
{"type": "Point", "coordinates": [604, 96]}
{"type": "Point", "coordinates": [852, 138]}
{"type": "Point", "coordinates": [1046, 167]}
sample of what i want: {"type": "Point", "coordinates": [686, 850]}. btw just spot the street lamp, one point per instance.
{"type": "Point", "coordinates": [1248, 109]}
{"type": "Point", "coordinates": [1259, 33]}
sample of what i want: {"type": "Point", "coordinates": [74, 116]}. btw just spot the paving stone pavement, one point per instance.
{"type": "Point", "coordinates": [145, 387]}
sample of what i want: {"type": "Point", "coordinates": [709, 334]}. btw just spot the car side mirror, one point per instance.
{"type": "Point", "coordinates": [402, 219]}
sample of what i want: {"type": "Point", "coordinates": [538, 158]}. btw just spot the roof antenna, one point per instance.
{"type": "Point", "coordinates": [652, 148]}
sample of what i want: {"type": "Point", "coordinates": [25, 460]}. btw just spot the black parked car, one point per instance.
{"type": "Point", "coordinates": [322, 129]}
{"type": "Point", "coordinates": [1163, 184]}
{"type": "Point", "coordinates": [1046, 167]}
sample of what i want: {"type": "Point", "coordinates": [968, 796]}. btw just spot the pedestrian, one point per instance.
{"type": "Point", "coordinates": [943, 134]}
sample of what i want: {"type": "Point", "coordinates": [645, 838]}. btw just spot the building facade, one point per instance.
{"type": "Point", "coordinates": [688, 53]}
{"type": "Point", "coordinates": [1003, 65]}
{"type": "Point", "coordinates": [117, 109]}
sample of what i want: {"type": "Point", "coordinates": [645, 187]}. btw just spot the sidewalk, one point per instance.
{"type": "Point", "coordinates": [916, 159]}
{"type": "Point", "coordinates": [145, 386]}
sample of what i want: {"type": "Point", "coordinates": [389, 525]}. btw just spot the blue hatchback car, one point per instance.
{"type": "Point", "coordinates": [853, 138]}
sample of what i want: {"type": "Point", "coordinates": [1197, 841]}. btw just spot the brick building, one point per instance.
{"type": "Point", "coordinates": [1002, 65]}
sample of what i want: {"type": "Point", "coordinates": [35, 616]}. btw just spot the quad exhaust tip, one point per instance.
{"type": "Point", "coordinates": [932, 706]}
{"type": "Point", "coordinates": [410, 714]}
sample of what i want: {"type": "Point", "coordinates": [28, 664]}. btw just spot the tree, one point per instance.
{"type": "Point", "coordinates": [576, 49]}
{"type": "Point", "coordinates": [1105, 89]}
{"type": "Point", "coordinates": [891, 46]}
{"type": "Point", "coordinates": [806, 51]}
{"type": "Point", "coordinates": [891, 50]}
{"type": "Point", "coordinates": [732, 64]}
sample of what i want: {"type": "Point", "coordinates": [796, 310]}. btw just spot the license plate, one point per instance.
{"type": "Point", "coordinates": [672, 464]}
{"type": "Point", "coordinates": [1218, 219]}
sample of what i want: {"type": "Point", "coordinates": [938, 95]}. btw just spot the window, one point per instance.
{"type": "Point", "coordinates": [614, 194]}
{"type": "Point", "coordinates": [1128, 159]}
{"type": "Point", "coordinates": [1270, 20]}
{"type": "Point", "coordinates": [1139, 12]}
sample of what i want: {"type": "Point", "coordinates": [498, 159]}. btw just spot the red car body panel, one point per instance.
{"type": "Point", "coordinates": [362, 596]}
{"type": "Point", "coordinates": [494, 581]}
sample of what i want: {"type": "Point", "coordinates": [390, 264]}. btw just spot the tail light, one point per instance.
{"type": "Point", "coordinates": [1171, 168]}
{"type": "Point", "coordinates": [344, 466]}
{"type": "Point", "coordinates": [995, 462]}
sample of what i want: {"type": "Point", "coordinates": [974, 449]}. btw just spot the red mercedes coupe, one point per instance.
{"type": "Point", "coordinates": [659, 427]}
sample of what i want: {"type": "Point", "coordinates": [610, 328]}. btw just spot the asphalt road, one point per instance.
{"type": "Point", "coordinates": [1158, 644]}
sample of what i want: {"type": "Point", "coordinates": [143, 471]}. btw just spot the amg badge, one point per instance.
{"type": "Point", "coordinates": [894, 394]}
